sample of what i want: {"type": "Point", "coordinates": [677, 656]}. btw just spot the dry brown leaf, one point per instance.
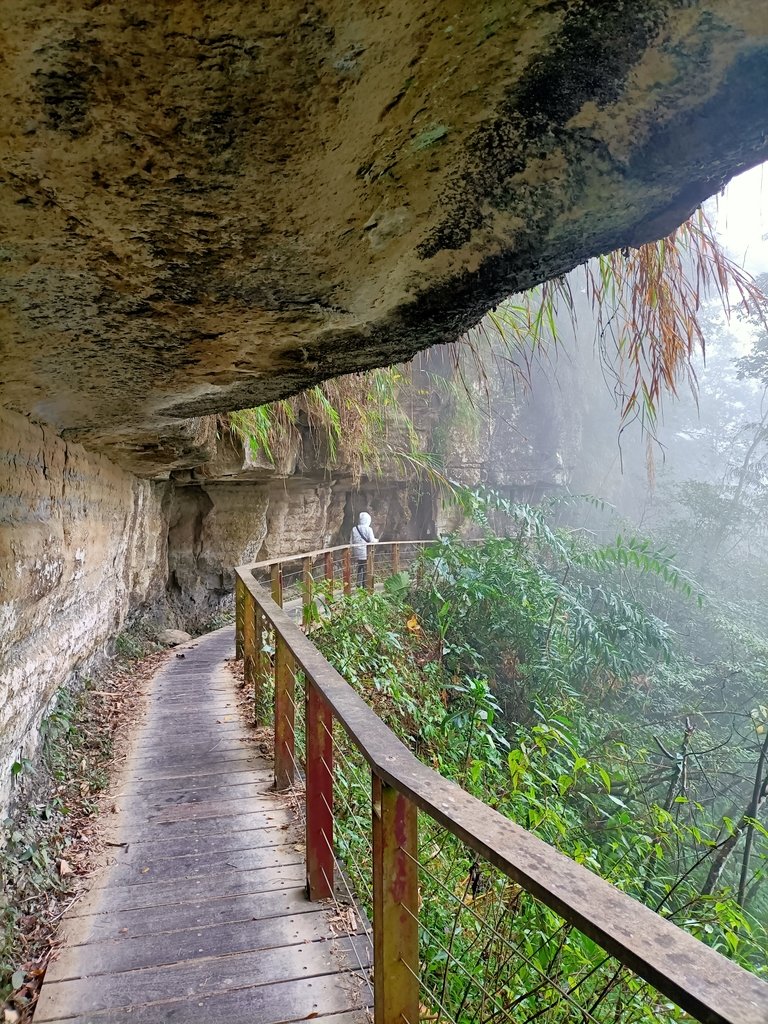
{"type": "Point", "coordinates": [65, 868]}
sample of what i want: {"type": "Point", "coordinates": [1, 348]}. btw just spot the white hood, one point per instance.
{"type": "Point", "coordinates": [364, 519]}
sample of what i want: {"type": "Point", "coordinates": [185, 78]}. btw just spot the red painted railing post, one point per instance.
{"type": "Point", "coordinates": [284, 715]}
{"type": "Point", "coordinates": [319, 796]}
{"type": "Point", "coordinates": [347, 571]}
{"type": "Point", "coordinates": [239, 607]}
{"type": "Point", "coordinates": [276, 573]}
{"type": "Point", "coordinates": [369, 563]}
{"type": "Point", "coordinates": [395, 907]}
{"type": "Point", "coordinates": [249, 638]}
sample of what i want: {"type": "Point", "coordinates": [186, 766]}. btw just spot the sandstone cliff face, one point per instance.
{"type": "Point", "coordinates": [82, 544]}
{"type": "Point", "coordinates": [207, 206]}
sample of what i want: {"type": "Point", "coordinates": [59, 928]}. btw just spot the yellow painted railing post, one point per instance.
{"type": "Point", "coordinates": [239, 603]}
{"type": "Point", "coordinates": [284, 715]}
{"type": "Point", "coordinates": [308, 587]}
{"type": "Point", "coordinates": [347, 571]}
{"type": "Point", "coordinates": [249, 638]}
{"type": "Point", "coordinates": [329, 572]}
{"type": "Point", "coordinates": [369, 564]}
{"type": "Point", "coordinates": [395, 907]}
{"type": "Point", "coordinates": [276, 573]}
{"type": "Point", "coordinates": [258, 669]}
{"type": "Point", "coordinates": [319, 796]}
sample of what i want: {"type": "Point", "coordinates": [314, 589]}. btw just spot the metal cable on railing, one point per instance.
{"type": "Point", "coordinates": [474, 920]}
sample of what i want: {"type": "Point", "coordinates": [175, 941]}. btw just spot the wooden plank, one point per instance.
{"type": "Point", "coordinates": [172, 810]}
{"type": "Point", "coordinates": [142, 870]}
{"type": "Point", "coordinates": [154, 794]}
{"type": "Point", "coordinates": [696, 977]}
{"type": "Point", "coordinates": [242, 839]}
{"type": "Point", "coordinates": [119, 926]}
{"type": "Point", "coordinates": [190, 750]}
{"type": "Point", "coordinates": [135, 952]}
{"type": "Point", "coordinates": [192, 979]}
{"type": "Point", "coordinates": [191, 754]}
{"type": "Point", "coordinates": [228, 883]}
{"type": "Point", "coordinates": [190, 829]}
{"type": "Point", "coordinates": [232, 762]}
{"type": "Point", "coordinates": [215, 784]}
{"type": "Point", "coordinates": [282, 1003]}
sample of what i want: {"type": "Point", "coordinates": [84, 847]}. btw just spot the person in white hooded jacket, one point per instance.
{"type": "Point", "coordinates": [362, 536]}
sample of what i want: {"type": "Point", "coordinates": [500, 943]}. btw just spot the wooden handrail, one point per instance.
{"type": "Point", "coordinates": [704, 983]}
{"type": "Point", "coordinates": [281, 559]}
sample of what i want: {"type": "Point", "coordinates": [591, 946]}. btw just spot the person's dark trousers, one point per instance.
{"type": "Point", "coordinates": [361, 564]}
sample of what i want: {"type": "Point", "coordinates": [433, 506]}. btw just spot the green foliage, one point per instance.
{"type": "Point", "coordinates": [137, 641]}
{"type": "Point", "coordinates": [72, 770]}
{"type": "Point", "coordinates": [534, 671]}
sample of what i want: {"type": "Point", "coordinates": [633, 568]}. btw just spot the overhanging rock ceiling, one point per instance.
{"type": "Point", "coordinates": [209, 205]}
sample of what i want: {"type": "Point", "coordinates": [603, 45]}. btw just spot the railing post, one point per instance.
{"type": "Point", "coordinates": [369, 562]}
{"type": "Point", "coordinates": [239, 603]}
{"type": "Point", "coordinates": [308, 588]}
{"type": "Point", "coordinates": [319, 796]}
{"type": "Point", "coordinates": [249, 637]}
{"type": "Point", "coordinates": [395, 559]}
{"type": "Point", "coordinates": [284, 715]}
{"type": "Point", "coordinates": [329, 572]}
{"type": "Point", "coordinates": [277, 583]}
{"type": "Point", "coordinates": [347, 571]}
{"type": "Point", "coordinates": [258, 669]}
{"type": "Point", "coordinates": [395, 907]}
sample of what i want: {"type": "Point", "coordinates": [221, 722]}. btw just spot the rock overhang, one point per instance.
{"type": "Point", "coordinates": [208, 206]}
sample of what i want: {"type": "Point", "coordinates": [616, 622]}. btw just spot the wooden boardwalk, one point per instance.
{"type": "Point", "coordinates": [202, 915]}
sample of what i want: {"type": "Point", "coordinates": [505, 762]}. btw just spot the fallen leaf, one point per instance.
{"type": "Point", "coordinates": [65, 869]}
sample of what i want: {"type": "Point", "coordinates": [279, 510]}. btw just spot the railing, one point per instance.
{"type": "Point", "coordinates": [332, 740]}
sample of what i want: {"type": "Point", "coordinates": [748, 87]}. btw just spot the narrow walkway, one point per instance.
{"type": "Point", "coordinates": [201, 915]}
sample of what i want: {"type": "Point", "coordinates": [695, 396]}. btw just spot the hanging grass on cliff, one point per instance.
{"type": "Point", "coordinates": [646, 303]}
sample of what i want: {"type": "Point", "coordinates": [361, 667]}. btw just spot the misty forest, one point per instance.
{"type": "Point", "coordinates": [591, 658]}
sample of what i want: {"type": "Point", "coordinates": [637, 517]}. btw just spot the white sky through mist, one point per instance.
{"type": "Point", "coordinates": [742, 218]}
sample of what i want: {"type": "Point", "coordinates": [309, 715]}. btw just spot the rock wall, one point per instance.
{"type": "Point", "coordinates": [217, 525]}
{"type": "Point", "coordinates": [82, 545]}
